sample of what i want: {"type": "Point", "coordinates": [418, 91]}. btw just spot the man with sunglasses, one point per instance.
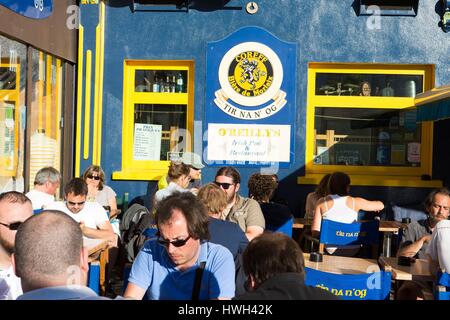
{"type": "Point", "coordinates": [91, 216]}
{"type": "Point", "coordinates": [46, 182]}
{"type": "Point", "coordinates": [15, 208]}
{"type": "Point", "coordinates": [245, 212]}
{"type": "Point", "coordinates": [167, 266]}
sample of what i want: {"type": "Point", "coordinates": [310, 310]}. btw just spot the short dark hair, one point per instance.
{"type": "Point", "coordinates": [14, 197]}
{"type": "Point", "coordinates": [429, 199]}
{"type": "Point", "coordinates": [339, 183]}
{"type": "Point", "coordinates": [77, 186]}
{"type": "Point", "coordinates": [272, 253]}
{"type": "Point", "coordinates": [47, 244]}
{"type": "Point", "coordinates": [194, 211]}
{"type": "Point", "coordinates": [229, 172]}
{"type": "Point", "coordinates": [261, 186]}
{"type": "Point", "coordinates": [177, 169]}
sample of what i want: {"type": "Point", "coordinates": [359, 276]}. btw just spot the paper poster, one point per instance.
{"type": "Point", "coordinates": [241, 142]}
{"type": "Point", "coordinates": [147, 141]}
{"type": "Point", "coordinates": [414, 152]}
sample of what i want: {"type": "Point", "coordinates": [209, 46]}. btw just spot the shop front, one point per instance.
{"type": "Point", "coordinates": [295, 88]}
{"type": "Point", "coordinates": [37, 52]}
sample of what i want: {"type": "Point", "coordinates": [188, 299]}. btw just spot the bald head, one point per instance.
{"type": "Point", "coordinates": [48, 246]}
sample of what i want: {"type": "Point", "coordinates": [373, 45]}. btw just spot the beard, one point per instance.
{"type": "Point", "coordinates": [7, 246]}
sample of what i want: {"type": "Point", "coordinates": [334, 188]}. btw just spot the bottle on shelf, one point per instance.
{"type": "Point", "coordinates": [180, 83]}
{"type": "Point", "coordinates": [167, 85]}
{"type": "Point", "coordinates": [161, 84]}
{"type": "Point", "coordinates": [155, 87]}
{"type": "Point", "coordinates": [173, 84]}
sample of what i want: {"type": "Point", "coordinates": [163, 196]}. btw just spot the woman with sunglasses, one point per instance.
{"type": "Point", "coordinates": [94, 177]}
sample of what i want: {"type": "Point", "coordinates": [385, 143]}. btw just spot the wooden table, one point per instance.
{"type": "Point", "coordinates": [343, 265]}
{"type": "Point", "coordinates": [98, 251]}
{"type": "Point", "coordinates": [387, 227]}
{"type": "Point", "coordinates": [418, 270]}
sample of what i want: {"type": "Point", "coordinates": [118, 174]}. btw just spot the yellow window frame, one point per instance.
{"type": "Point", "coordinates": [369, 175]}
{"type": "Point", "coordinates": [12, 96]}
{"type": "Point", "coordinates": [151, 169]}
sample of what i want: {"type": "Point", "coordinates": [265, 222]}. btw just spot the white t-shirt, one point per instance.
{"type": "Point", "coordinates": [10, 286]}
{"type": "Point", "coordinates": [93, 214]}
{"type": "Point", "coordinates": [439, 247]}
{"type": "Point", "coordinates": [40, 199]}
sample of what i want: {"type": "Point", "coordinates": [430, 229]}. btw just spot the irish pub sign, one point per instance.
{"type": "Point", "coordinates": [250, 100]}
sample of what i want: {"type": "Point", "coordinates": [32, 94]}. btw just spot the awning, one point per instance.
{"type": "Point", "coordinates": [434, 104]}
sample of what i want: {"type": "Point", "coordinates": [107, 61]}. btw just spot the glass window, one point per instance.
{"type": "Point", "coordinates": [46, 112]}
{"type": "Point", "coordinates": [354, 84]}
{"type": "Point", "coordinates": [366, 137]}
{"type": "Point", "coordinates": [162, 123]}
{"type": "Point", "coordinates": [173, 81]}
{"type": "Point", "coordinates": [13, 67]}
{"type": "Point", "coordinates": [158, 116]}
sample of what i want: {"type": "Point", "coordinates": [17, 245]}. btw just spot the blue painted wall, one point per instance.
{"type": "Point", "coordinates": [324, 30]}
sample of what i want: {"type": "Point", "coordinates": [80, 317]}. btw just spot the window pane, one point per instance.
{"type": "Point", "coordinates": [366, 137]}
{"type": "Point", "coordinates": [13, 66]}
{"type": "Point", "coordinates": [46, 113]}
{"type": "Point", "coordinates": [159, 130]}
{"type": "Point", "coordinates": [387, 85]}
{"type": "Point", "coordinates": [173, 81]}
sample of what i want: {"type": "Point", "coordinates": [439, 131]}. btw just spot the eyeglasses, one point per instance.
{"type": "Point", "coordinates": [224, 185]}
{"type": "Point", "coordinates": [436, 206]}
{"type": "Point", "coordinates": [12, 226]}
{"type": "Point", "coordinates": [90, 176]}
{"type": "Point", "coordinates": [75, 203]}
{"type": "Point", "coordinates": [176, 243]}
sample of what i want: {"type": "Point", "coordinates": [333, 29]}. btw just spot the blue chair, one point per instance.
{"type": "Point", "coordinates": [442, 290]}
{"type": "Point", "coordinates": [345, 234]}
{"type": "Point", "coordinates": [285, 228]}
{"type": "Point", "coordinates": [94, 276]}
{"type": "Point", "coordinates": [367, 286]}
{"type": "Point", "coordinates": [37, 211]}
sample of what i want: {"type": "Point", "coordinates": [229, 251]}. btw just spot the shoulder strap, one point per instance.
{"type": "Point", "coordinates": [326, 204]}
{"type": "Point", "coordinates": [198, 281]}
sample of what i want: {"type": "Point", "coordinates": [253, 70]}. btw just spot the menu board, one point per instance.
{"type": "Point", "coordinates": [147, 141]}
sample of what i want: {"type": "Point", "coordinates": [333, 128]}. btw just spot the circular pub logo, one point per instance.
{"type": "Point", "coordinates": [250, 75]}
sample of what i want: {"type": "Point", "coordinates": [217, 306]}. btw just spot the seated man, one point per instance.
{"type": "Point", "coordinates": [438, 250]}
{"type": "Point", "coordinates": [91, 216]}
{"type": "Point", "coordinates": [243, 211]}
{"type": "Point", "coordinates": [50, 259]}
{"type": "Point", "coordinates": [167, 266]}
{"type": "Point", "coordinates": [46, 181]}
{"type": "Point", "coordinates": [15, 208]}
{"type": "Point", "coordinates": [277, 273]}
{"type": "Point", "coordinates": [417, 236]}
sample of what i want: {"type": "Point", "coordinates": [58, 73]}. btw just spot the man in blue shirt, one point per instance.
{"type": "Point", "coordinates": [166, 267]}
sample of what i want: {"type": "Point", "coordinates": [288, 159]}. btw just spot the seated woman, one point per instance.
{"type": "Point", "coordinates": [341, 207]}
{"type": "Point", "coordinates": [178, 178]}
{"type": "Point", "coordinates": [94, 176]}
{"type": "Point", "coordinates": [261, 188]}
{"type": "Point", "coordinates": [312, 197]}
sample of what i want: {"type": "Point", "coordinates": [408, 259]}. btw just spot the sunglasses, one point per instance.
{"type": "Point", "coordinates": [175, 243]}
{"type": "Point", "coordinates": [224, 185]}
{"type": "Point", "coordinates": [90, 176]}
{"type": "Point", "coordinates": [12, 226]}
{"type": "Point", "coordinates": [75, 203]}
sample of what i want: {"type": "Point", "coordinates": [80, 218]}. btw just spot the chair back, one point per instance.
{"type": "Point", "coordinates": [367, 286]}
{"type": "Point", "coordinates": [345, 234]}
{"type": "Point", "coordinates": [285, 228]}
{"type": "Point", "coordinates": [442, 290]}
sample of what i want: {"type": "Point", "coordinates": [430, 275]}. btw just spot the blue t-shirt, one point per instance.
{"type": "Point", "coordinates": [155, 272]}
{"type": "Point", "coordinates": [228, 234]}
